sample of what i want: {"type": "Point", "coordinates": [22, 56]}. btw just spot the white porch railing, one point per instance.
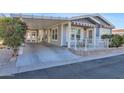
{"type": "Point", "coordinates": [89, 44]}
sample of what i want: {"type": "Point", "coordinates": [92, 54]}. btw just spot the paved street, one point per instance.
{"type": "Point", "coordinates": [106, 68]}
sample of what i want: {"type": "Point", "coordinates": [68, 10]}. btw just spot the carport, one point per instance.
{"type": "Point", "coordinates": [40, 27]}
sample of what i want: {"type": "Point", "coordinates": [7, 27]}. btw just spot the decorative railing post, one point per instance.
{"type": "Point", "coordinates": [75, 41]}
{"type": "Point", "coordinates": [107, 43]}
{"type": "Point", "coordinates": [86, 42]}
{"type": "Point", "coordinates": [75, 45]}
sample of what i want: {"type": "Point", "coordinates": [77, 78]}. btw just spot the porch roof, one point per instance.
{"type": "Point", "coordinates": [92, 17]}
{"type": "Point", "coordinates": [76, 23]}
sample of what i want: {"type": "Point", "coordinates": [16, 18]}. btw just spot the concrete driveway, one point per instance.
{"type": "Point", "coordinates": [40, 53]}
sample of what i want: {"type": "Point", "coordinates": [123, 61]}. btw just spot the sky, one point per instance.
{"type": "Point", "coordinates": [117, 19]}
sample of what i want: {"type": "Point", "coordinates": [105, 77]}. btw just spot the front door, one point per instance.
{"type": "Point", "coordinates": [34, 36]}
{"type": "Point", "coordinates": [90, 36]}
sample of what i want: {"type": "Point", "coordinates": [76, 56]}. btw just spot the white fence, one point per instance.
{"type": "Point", "coordinates": [90, 44]}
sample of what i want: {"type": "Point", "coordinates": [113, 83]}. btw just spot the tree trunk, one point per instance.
{"type": "Point", "coordinates": [15, 52]}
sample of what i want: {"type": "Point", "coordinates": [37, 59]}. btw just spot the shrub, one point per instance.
{"type": "Point", "coordinates": [106, 36]}
{"type": "Point", "coordinates": [115, 40]}
{"type": "Point", "coordinates": [122, 39]}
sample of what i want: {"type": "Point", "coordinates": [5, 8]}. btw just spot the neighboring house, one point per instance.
{"type": "Point", "coordinates": [68, 32]}
{"type": "Point", "coordinates": [118, 31]}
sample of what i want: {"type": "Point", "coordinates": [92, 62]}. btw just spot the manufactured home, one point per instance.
{"type": "Point", "coordinates": [75, 32]}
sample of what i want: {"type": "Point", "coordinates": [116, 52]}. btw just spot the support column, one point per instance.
{"type": "Point", "coordinates": [37, 36]}
{"type": "Point", "coordinates": [61, 34]}
{"type": "Point", "coordinates": [75, 40]}
{"type": "Point", "coordinates": [94, 37]}
{"type": "Point", "coordinates": [69, 34]}
{"type": "Point", "coordinates": [85, 48]}
{"type": "Point", "coordinates": [48, 35]}
{"type": "Point", "coordinates": [31, 36]}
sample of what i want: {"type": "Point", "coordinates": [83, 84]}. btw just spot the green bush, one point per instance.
{"type": "Point", "coordinates": [123, 39]}
{"type": "Point", "coordinates": [106, 36]}
{"type": "Point", "coordinates": [115, 40]}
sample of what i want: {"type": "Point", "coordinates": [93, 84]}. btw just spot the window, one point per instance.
{"type": "Point", "coordinates": [78, 34]}
{"type": "Point", "coordinates": [72, 34]}
{"type": "Point", "coordinates": [90, 34]}
{"type": "Point", "coordinates": [54, 34]}
{"type": "Point", "coordinates": [75, 33]}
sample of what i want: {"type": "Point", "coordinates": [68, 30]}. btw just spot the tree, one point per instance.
{"type": "Point", "coordinates": [12, 31]}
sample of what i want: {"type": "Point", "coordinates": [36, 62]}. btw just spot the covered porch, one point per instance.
{"type": "Point", "coordinates": [83, 36]}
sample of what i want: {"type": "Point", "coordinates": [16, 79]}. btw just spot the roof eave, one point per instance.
{"type": "Point", "coordinates": [80, 17]}
{"type": "Point", "coordinates": [104, 19]}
